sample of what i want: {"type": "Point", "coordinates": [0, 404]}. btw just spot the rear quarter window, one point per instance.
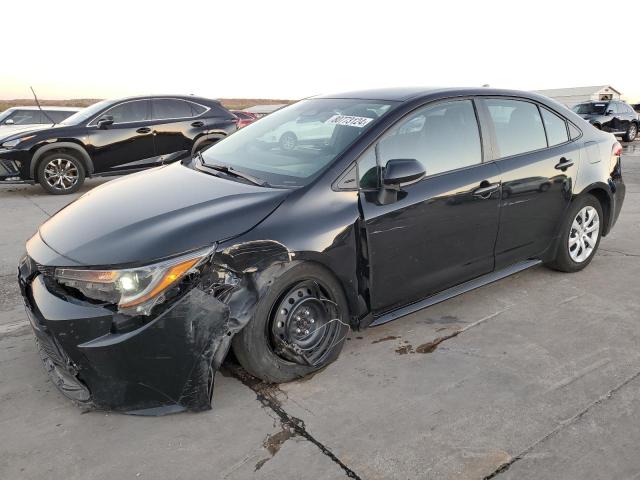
{"type": "Point", "coordinates": [555, 126]}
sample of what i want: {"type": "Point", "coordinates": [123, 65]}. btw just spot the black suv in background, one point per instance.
{"type": "Point", "coordinates": [611, 116]}
{"type": "Point", "coordinates": [113, 137]}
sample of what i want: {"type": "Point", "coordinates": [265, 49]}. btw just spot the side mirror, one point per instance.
{"type": "Point", "coordinates": [397, 172]}
{"type": "Point", "coordinates": [104, 122]}
{"type": "Point", "coordinates": [609, 112]}
{"type": "Point", "coordinates": [9, 122]}
{"type": "Point", "coordinates": [400, 171]}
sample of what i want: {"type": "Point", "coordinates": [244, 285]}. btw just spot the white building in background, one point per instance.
{"type": "Point", "coordinates": [575, 95]}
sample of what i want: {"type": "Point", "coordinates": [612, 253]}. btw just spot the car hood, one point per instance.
{"type": "Point", "coordinates": [155, 214]}
{"type": "Point", "coordinates": [7, 130]}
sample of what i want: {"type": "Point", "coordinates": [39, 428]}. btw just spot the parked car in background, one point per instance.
{"type": "Point", "coordinates": [113, 137]}
{"type": "Point", "coordinates": [15, 119]}
{"type": "Point", "coordinates": [135, 294]}
{"type": "Point", "coordinates": [612, 116]}
{"type": "Point", "coordinates": [300, 132]}
{"type": "Point", "coordinates": [244, 118]}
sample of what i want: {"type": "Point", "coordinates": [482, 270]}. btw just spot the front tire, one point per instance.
{"type": "Point", "coordinates": [630, 136]}
{"type": "Point", "coordinates": [60, 173]}
{"type": "Point", "coordinates": [580, 236]}
{"type": "Point", "coordinates": [298, 327]}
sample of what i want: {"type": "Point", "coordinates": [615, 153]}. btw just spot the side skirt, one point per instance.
{"type": "Point", "coordinates": [453, 292]}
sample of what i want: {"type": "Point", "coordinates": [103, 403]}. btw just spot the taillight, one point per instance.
{"type": "Point", "coordinates": [616, 151]}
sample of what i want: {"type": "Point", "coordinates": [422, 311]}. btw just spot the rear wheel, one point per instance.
{"type": "Point", "coordinates": [60, 173]}
{"type": "Point", "coordinates": [298, 327]}
{"type": "Point", "coordinates": [288, 141]}
{"type": "Point", "coordinates": [580, 236]}
{"type": "Point", "coordinates": [632, 131]}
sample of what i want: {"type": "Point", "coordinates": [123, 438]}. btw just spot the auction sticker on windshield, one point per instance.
{"type": "Point", "coordinates": [349, 121]}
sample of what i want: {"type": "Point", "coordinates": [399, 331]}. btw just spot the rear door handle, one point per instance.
{"type": "Point", "coordinates": [564, 164]}
{"type": "Point", "coordinates": [143, 130]}
{"type": "Point", "coordinates": [197, 124]}
{"type": "Point", "coordinates": [485, 189]}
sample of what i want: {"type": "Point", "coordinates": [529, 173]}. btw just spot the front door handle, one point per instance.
{"type": "Point", "coordinates": [143, 130]}
{"type": "Point", "coordinates": [197, 124]}
{"type": "Point", "coordinates": [564, 164]}
{"type": "Point", "coordinates": [485, 189]}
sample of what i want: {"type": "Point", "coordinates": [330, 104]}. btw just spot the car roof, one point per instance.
{"type": "Point", "coordinates": [191, 98]}
{"type": "Point", "coordinates": [404, 94]}
{"type": "Point", "coordinates": [47, 107]}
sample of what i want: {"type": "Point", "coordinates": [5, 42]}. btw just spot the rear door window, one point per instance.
{"type": "Point", "coordinates": [518, 126]}
{"type": "Point", "coordinates": [168, 108]}
{"type": "Point", "coordinates": [555, 126]}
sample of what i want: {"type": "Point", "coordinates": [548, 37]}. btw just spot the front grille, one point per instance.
{"type": "Point", "coordinates": [9, 168]}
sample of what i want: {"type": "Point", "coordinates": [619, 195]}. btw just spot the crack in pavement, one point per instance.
{"type": "Point", "coordinates": [610, 393]}
{"type": "Point", "coordinates": [37, 206]}
{"type": "Point", "coordinates": [295, 426]}
{"type": "Point", "coordinates": [624, 254]}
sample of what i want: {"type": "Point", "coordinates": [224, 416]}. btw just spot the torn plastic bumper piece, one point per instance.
{"type": "Point", "coordinates": [164, 366]}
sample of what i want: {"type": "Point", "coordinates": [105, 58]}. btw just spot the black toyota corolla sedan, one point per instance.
{"type": "Point", "coordinates": [388, 201]}
{"type": "Point", "coordinates": [112, 137]}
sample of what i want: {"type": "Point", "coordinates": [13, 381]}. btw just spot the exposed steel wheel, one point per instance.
{"type": "Point", "coordinates": [304, 324]}
{"type": "Point", "coordinates": [275, 345]}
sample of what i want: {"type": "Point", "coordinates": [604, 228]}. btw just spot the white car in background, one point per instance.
{"type": "Point", "coordinates": [14, 119]}
{"type": "Point", "coordinates": [307, 132]}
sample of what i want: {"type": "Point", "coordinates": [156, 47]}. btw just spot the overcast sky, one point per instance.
{"type": "Point", "coordinates": [294, 49]}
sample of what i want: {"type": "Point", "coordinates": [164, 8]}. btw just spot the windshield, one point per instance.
{"type": "Point", "coordinates": [86, 113]}
{"type": "Point", "coordinates": [5, 114]}
{"type": "Point", "coordinates": [590, 108]}
{"type": "Point", "coordinates": [290, 147]}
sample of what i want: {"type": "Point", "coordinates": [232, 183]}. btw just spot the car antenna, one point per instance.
{"type": "Point", "coordinates": [38, 103]}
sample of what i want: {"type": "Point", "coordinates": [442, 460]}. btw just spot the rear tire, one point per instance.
{"type": "Point", "coordinates": [631, 134]}
{"type": "Point", "coordinates": [288, 141]}
{"type": "Point", "coordinates": [257, 346]}
{"type": "Point", "coordinates": [580, 237]}
{"type": "Point", "coordinates": [60, 173]}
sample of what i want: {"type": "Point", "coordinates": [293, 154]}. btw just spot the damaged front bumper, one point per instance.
{"type": "Point", "coordinates": [165, 364]}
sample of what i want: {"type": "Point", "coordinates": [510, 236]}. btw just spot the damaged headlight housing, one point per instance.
{"type": "Point", "coordinates": [137, 290]}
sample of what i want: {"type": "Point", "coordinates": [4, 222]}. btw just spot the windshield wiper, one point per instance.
{"type": "Point", "coordinates": [233, 172]}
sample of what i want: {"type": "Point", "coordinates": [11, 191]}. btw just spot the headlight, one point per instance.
{"type": "Point", "coordinates": [16, 141]}
{"type": "Point", "coordinates": [133, 290]}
